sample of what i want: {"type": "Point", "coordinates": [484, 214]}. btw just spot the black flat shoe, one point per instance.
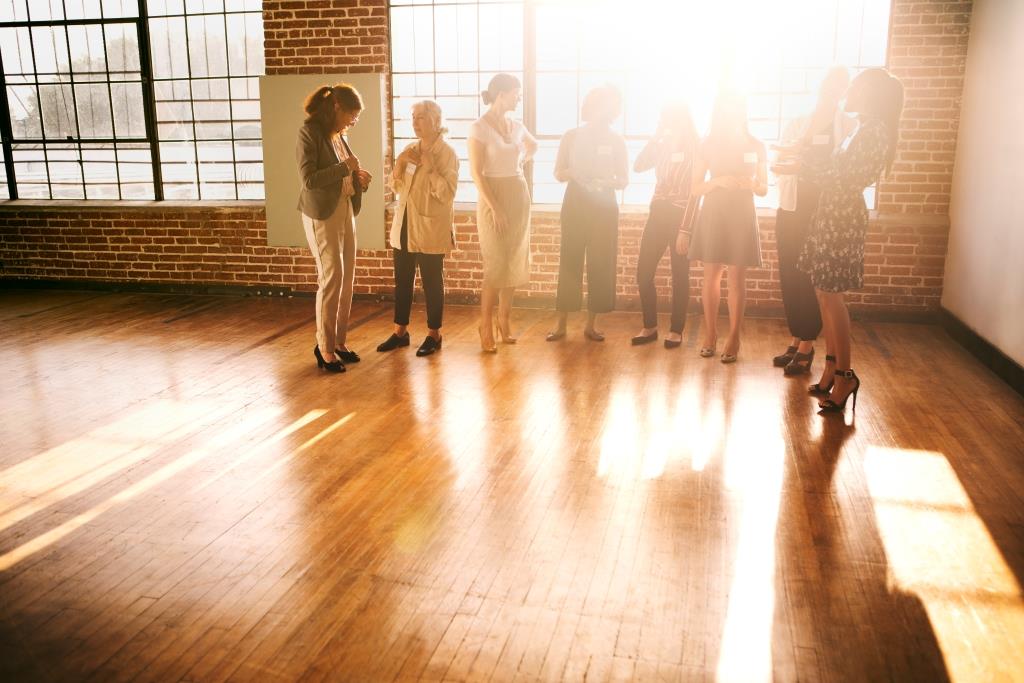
{"type": "Point", "coordinates": [332, 366]}
{"type": "Point", "coordinates": [674, 343]}
{"type": "Point", "coordinates": [347, 356]}
{"type": "Point", "coordinates": [428, 346]}
{"type": "Point", "coordinates": [389, 344]}
{"type": "Point", "coordinates": [784, 359]}
{"type": "Point", "coordinates": [800, 365]}
{"type": "Point", "coordinates": [641, 339]}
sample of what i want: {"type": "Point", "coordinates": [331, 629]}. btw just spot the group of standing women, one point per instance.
{"type": "Point", "coordinates": [702, 209]}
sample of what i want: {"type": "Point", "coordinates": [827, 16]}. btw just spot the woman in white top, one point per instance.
{"type": "Point", "coordinates": [498, 148]}
{"type": "Point", "coordinates": [820, 133]}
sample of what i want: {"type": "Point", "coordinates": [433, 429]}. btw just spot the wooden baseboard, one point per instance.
{"type": "Point", "coordinates": [998, 362]}
{"type": "Point", "coordinates": [624, 304]}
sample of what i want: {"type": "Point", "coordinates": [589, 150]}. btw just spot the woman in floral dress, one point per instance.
{"type": "Point", "coordinates": [833, 254]}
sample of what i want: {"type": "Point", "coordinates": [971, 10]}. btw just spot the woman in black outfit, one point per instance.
{"type": "Point", "coordinates": [670, 153]}
{"type": "Point", "coordinates": [819, 134]}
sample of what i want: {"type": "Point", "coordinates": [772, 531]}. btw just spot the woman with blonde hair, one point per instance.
{"type": "Point", "coordinates": [498, 148]}
{"type": "Point", "coordinates": [425, 178]}
{"type": "Point", "coordinates": [329, 199]}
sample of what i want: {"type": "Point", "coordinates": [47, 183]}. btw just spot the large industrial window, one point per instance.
{"type": "Point", "coordinates": [128, 99]}
{"type": "Point", "coordinates": [656, 51]}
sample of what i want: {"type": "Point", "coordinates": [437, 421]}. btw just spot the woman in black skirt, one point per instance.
{"type": "Point", "coordinates": [592, 159]}
{"type": "Point", "coordinates": [819, 134]}
{"type": "Point", "coordinates": [670, 153]}
{"type": "Point", "coordinates": [725, 236]}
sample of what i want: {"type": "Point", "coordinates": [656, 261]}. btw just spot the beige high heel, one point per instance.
{"type": "Point", "coordinates": [484, 346]}
{"type": "Point", "coordinates": [506, 335]}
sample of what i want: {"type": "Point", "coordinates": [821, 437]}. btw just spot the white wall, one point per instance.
{"type": "Point", "coordinates": [984, 283]}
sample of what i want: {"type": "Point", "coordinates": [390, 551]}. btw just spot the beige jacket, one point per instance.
{"type": "Point", "coordinates": [429, 201]}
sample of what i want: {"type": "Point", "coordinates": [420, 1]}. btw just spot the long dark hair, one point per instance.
{"type": "Point", "coordinates": [882, 100]}
{"type": "Point", "coordinates": [728, 106]}
{"type": "Point", "coordinates": [319, 105]}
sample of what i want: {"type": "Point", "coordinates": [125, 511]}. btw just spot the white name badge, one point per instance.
{"type": "Point", "coordinates": [678, 157]}
{"type": "Point", "coordinates": [750, 157]}
{"type": "Point", "coordinates": [410, 170]}
{"type": "Point", "coordinates": [604, 150]}
{"type": "Point", "coordinates": [819, 140]}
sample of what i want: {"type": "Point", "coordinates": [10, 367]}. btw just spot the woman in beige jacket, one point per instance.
{"type": "Point", "coordinates": [425, 178]}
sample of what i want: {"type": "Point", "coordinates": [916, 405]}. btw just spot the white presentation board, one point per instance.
{"type": "Point", "coordinates": [281, 99]}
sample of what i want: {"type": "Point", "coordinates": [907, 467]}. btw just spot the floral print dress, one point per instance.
{"type": "Point", "coordinates": [833, 254]}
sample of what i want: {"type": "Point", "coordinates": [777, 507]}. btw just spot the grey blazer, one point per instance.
{"type": "Point", "coordinates": [321, 174]}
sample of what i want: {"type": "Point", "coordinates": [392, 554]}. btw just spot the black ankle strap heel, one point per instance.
{"type": "Point", "coordinates": [830, 406]}
{"type": "Point", "coordinates": [816, 388]}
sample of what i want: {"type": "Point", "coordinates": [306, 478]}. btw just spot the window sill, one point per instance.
{"type": "Point", "coordinates": [127, 204]}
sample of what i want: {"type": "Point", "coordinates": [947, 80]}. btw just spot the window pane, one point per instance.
{"type": "Point", "coordinates": [13, 10]}
{"type": "Point", "coordinates": [94, 117]}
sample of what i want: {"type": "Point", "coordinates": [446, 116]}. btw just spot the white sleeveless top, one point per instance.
{"type": "Point", "coordinates": [502, 159]}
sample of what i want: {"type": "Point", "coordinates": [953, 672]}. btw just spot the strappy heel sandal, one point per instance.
{"type": "Point", "coordinates": [816, 388]}
{"type": "Point", "coordinates": [830, 406]}
{"type": "Point", "coordinates": [799, 365]}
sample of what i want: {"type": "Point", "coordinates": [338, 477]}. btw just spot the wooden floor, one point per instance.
{"type": "Point", "coordinates": [184, 497]}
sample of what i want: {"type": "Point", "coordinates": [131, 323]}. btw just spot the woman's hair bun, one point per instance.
{"type": "Point", "coordinates": [485, 95]}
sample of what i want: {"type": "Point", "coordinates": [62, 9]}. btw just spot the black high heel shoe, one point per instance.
{"type": "Point", "coordinates": [347, 356]}
{"type": "Point", "coordinates": [816, 388]}
{"type": "Point", "coordinates": [799, 365]}
{"type": "Point", "coordinates": [830, 406]}
{"type": "Point", "coordinates": [329, 366]}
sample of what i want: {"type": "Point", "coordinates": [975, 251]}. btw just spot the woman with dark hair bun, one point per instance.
{"type": "Point", "coordinates": [498, 148]}
{"type": "Point", "coordinates": [594, 162]}
{"type": "Point", "coordinates": [330, 198]}
{"type": "Point", "coordinates": [833, 254]}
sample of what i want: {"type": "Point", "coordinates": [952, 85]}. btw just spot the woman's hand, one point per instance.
{"type": "Point", "coordinates": [683, 243]}
{"type": "Point", "coordinates": [364, 178]}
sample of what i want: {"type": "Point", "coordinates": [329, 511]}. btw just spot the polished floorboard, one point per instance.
{"type": "Point", "coordinates": [184, 497]}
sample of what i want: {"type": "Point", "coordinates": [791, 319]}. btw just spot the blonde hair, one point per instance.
{"type": "Point", "coordinates": [433, 110]}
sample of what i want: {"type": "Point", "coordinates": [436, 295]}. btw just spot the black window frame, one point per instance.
{"type": "Point", "coordinates": [141, 22]}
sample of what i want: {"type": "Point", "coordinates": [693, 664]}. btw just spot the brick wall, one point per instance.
{"type": "Point", "coordinates": [928, 52]}
{"type": "Point", "coordinates": [204, 245]}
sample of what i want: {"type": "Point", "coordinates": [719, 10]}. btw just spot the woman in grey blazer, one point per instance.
{"type": "Point", "coordinates": [332, 187]}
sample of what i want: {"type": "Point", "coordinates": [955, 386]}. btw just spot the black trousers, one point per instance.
{"type": "Point", "coordinates": [802, 312]}
{"type": "Point", "coordinates": [660, 233]}
{"type": "Point", "coordinates": [590, 234]}
{"type": "Point", "coordinates": [431, 274]}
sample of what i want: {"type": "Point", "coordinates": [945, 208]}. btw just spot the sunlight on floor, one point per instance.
{"type": "Point", "coordinates": [44, 480]}
{"type": "Point", "coordinates": [754, 468]}
{"type": "Point", "coordinates": [940, 550]}
{"type": "Point", "coordinates": [210, 448]}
